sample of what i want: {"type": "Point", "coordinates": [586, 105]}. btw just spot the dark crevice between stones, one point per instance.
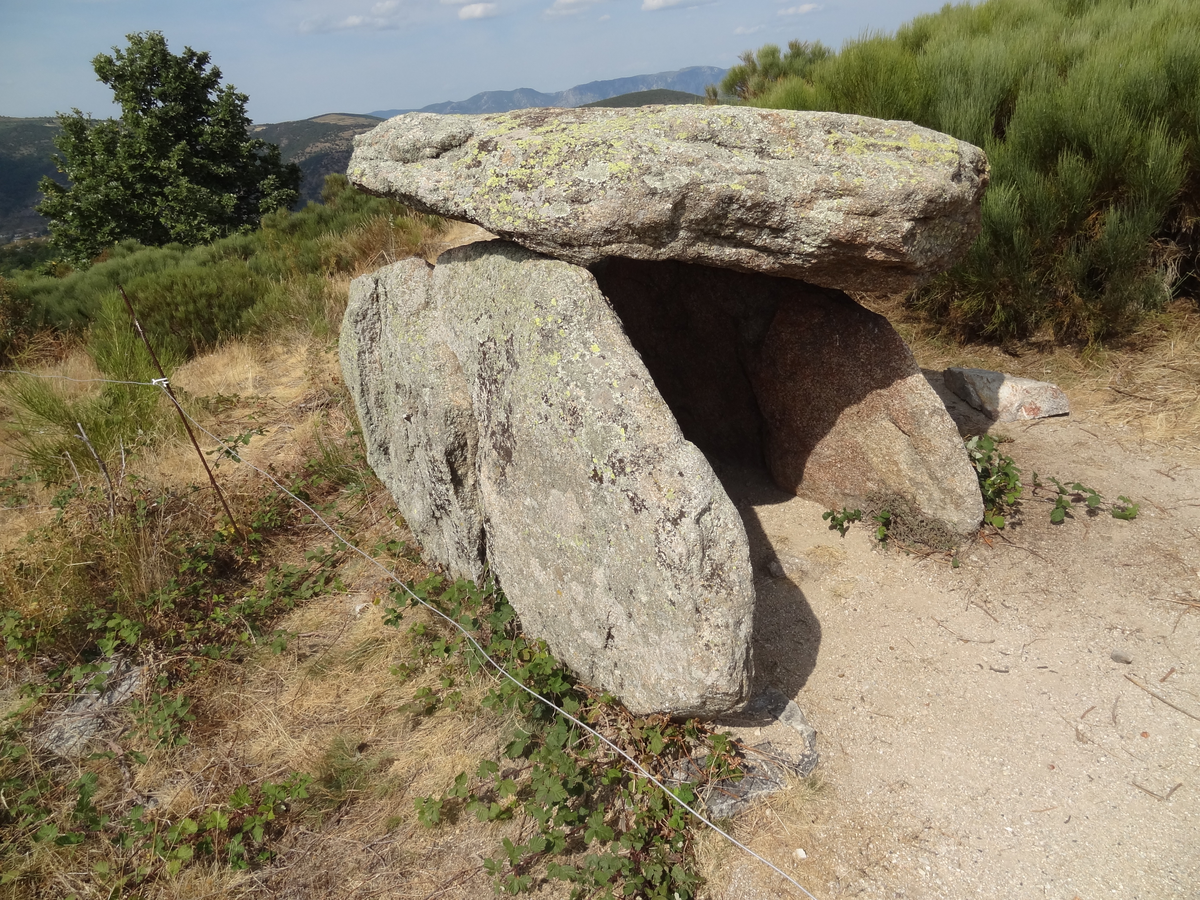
{"type": "Point", "coordinates": [756, 368]}
{"type": "Point", "coordinates": [700, 332]}
{"type": "Point", "coordinates": [778, 375]}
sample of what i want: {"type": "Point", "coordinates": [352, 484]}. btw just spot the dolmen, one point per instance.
{"type": "Point", "coordinates": [668, 287]}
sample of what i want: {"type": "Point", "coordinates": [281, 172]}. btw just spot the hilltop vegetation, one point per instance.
{"type": "Point", "coordinates": [320, 146]}
{"type": "Point", "coordinates": [177, 164]}
{"type": "Point", "coordinates": [1090, 116]}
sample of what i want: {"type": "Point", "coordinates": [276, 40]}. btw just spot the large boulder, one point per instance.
{"type": "Point", "coordinates": [517, 428]}
{"type": "Point", "coordinates": [840, 201]}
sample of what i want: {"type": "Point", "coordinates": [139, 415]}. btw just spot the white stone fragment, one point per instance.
{"type": "Point", "coordinates": [1006, 398]}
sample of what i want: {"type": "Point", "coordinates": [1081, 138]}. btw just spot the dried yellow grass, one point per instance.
{"type": "Point", "coordinates": [283, 713]}
{"type": "Point", "coordinates": [773, 827]}
{"type": "Point", "coordinates": [42, 356]}
{"type": "Point", "coordinates": [457, 234]}
{"type": "Point", "coordinates": [1150, 384]}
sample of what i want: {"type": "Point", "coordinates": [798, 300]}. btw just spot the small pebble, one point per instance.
{"type": "Point", "coordinates": [799, 854]}
{"type": "Point", "coordinates": [775, 567]}
{"type": "Point", "coordinates": [1120, 656]}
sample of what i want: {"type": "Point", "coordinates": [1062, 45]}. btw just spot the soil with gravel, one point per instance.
{"type": "Point", "coordinates": [1026, 724]}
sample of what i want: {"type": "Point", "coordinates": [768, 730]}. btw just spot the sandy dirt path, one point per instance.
{"type": "Point", "coordinates": [977, 737]}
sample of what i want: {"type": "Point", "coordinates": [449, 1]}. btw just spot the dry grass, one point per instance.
{"type": "Point", "coordinates": [1150, 384]}
{"type": "Point", "coordinates": [456, 235]}
{"type": "Point", "coordinates": [382, 240]}
{"type": "Point", "coordinates": [328, 706]}
{"type": "Point", "coordinates": [774, 827]}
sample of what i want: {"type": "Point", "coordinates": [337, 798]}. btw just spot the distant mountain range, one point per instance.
{"type": "Point", "coordinates": [691, 80]}
{"type": "Point", "coordinates": [322, 144]}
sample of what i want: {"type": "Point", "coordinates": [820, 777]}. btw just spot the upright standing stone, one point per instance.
{"type": "Point", "coordinates": [502, 399]}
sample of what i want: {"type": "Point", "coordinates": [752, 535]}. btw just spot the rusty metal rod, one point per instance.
{"type": "Point", "coordinates": [166, 385]}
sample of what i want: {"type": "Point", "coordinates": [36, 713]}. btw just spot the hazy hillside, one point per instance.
{"type": "Point", "coordinates": [691, 80]}
{"type": "Point", "coordinates": [647, 98]}
{"type": "Point", "coordinates": [321, 145]}
{"type": "Point", "coordinates": [26, 151]}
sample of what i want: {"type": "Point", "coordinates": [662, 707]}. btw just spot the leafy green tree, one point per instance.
{"type": "Point", "coordinates": [178, 165]}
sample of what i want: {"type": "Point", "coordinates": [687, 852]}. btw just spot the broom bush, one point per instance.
{"type": "Point", "coordinates": [1089, 111]}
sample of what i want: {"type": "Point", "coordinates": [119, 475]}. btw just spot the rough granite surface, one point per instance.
{"type": "Point", "coordinates": [868, 431]}
{"type": "Point", "coordinates": [839, 201]}
{"type": "Point", "coordinates": [1006, 398]}
{"type": "Point", "coordinates": [517, 428]}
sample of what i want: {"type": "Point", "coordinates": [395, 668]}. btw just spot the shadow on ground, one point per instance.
{"type": "Point", "coordinates": [787, 635]}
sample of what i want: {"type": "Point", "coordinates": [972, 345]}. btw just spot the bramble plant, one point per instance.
{"type": "Point", "coordinates": [597, 825]}
{"type": "Point", "coordinates": [1067, 496]}
{"type": "Point", "coordinates": [999, 478]}
{"type": "Point", "coordinates": [841, 520]}
{"type": "Point", "coordinates": [884, 518]}
{"type": "Point", "coordinates": [1002, 491]}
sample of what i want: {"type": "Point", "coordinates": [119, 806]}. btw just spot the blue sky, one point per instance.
{"type": "Point", "coordinates": [302, 58]}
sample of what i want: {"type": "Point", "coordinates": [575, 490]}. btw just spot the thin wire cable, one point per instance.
{"type": "Point", "coordinates": [160, 383]}
{"type": "Point", "coordinates": [76, 380]}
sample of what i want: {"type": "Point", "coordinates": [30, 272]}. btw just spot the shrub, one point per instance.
{"type": "Point", "coordinates": [185, 309]}
{"type": "Point", "coordinates": [188, 299]}
{"type": "Point", "coordinates": [1090, 117]}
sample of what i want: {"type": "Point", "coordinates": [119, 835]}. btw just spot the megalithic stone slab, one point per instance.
{"type": "Point", "coordinates": [507, 412]}
{"type": "Point", "coordinates": [869, 432]}
{"type": "Point", "coordinates": [840, 201]}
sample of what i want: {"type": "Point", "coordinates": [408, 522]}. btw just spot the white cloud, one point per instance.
{"type": "Point", "coordinates": [388, 15]}
{"type": "Point", "coordinates": [742, 29]}
{"type": "Point", "coordinates": [668, 4]}
{"type": "Point", "coordinates": [802, 10]}
{"type": "Point", "coordinates": [384, 15]}
{"type": "Point", "coordinates": [570, 7]}
{"type": "Point", "coordinates": [374, 23]}
{"type": "Point", "coordinates": [479, 11]}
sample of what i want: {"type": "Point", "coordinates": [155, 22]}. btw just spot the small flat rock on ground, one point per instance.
{"type": "Point", "coordinates": [1006, 398]}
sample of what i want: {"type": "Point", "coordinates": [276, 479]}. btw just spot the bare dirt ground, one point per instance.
{"type": "Point", "coordinates": [977, 737]}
